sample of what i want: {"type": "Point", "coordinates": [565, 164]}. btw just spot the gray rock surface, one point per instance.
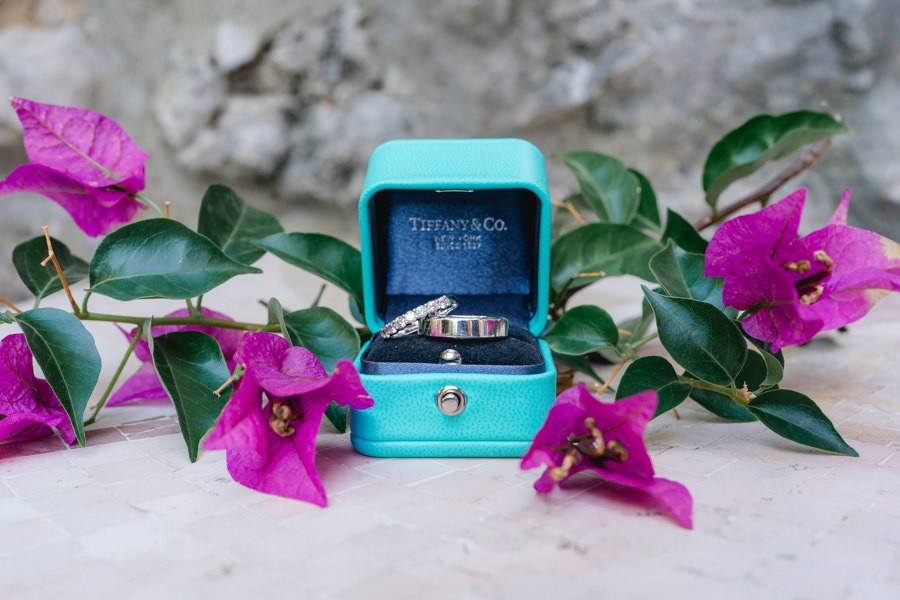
{"type": "Point", "coordinates": [285, 101]}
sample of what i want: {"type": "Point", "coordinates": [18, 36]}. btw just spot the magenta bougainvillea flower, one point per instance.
{"type": "Point", "coordinates": [583, 434]}
{"type": "Point", "coordinates": [145, 384]}
{"type": "Point", "coordinates": [269, 426]}
{"type": "Point", "coordinates": [28, 407]}
{"type": "Point", "coordinates": [82, 160]}
{"type": "Point", "coordinates": [793, 288]}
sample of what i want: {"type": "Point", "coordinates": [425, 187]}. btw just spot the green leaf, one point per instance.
{"type": "Point", "coordinates": [612, 248]}
{"type": "Point", "coordinates": [680, 231]}
{"type": "Point", "coordinates": [43, 280]}
{"type": "Point", "coordinates": [325, 333]}
{"type": "Point", "coordinates": [611, 190]}
{"type": "Point", "coordinates": [654, 373]}
{"type": "Point", "coordinates": [276, 316]}
{"type": "Point", "coordinates": [7, 318]}
{"type": "Point", "coordinates": [160, 258]}
{"type": "Point", "coordinates": [667, 270]}
{"type": "Point", "coordinates": [794, 416]}
{"type": "Point", "coordinates": [190, 366]}
{"type": "Point", "coordinates": [328, 257]}
{"type": "Point", "coordinates": [355, 311]}
{"type": "Point", "coordinates": [582, 330]}
{"type": "Point", "coordinates": [699, 337]}
{"type": "Point", "coordinates": [637, 328]}
{"type": "Point", "coordinates": [578, 363]}
{"type": "Point", "coordinates": [722, 406]}
{"type": "Point", "coordinates": [763, 138]}
{"type": "Point", "coordinates": [67, 355]}
{"type": "Point", "coordinates": [681, 275]}
{"type": "Point", "coordinates": [774, 370]}
{"type": "Point", "coordinates": [647, 216]}
{"type": "Point", "coordinates": [337, 415]}
{"type": "Point", "coordinates": [233, 225]}
{"type": "Point", "coordinates": [752, 375]}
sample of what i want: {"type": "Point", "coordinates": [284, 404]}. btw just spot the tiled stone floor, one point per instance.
{"type": "Point", "coordinates": [130, 517]}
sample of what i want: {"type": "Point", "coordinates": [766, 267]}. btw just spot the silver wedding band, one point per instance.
{"type": "Point", "coordinates": [465, 327]}
{"type": "Point", "coordinates": [408, 322]}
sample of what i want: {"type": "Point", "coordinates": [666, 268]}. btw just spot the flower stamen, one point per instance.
{"type": "Point", "coordinates": [800, 266]}
{"type": "Point", "coordinates": [280, 419]}
{"type": "Point", "coordinates": [810, 297]}
{"type": "Point", "coordinates": [823, 258]}
{"type": "Point", "coordinates": [616, 451]}
{"type": "Point", "coordinates": [561, 472]}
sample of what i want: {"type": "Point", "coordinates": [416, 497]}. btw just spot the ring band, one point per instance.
{"type": "Point", "coordinates": [465, 327]}
{"type": "Point", "coordinates": [408, 322]}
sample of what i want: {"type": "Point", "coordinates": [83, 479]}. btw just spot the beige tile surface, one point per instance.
{"type": "Point", "coordinates": [130, 517]}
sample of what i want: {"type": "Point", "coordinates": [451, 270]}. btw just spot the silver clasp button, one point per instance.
{"type": "Point", "coordinates": [451, 400]}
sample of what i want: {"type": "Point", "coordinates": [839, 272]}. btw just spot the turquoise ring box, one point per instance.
{"type": "Point", "coordinates": [470, 219]}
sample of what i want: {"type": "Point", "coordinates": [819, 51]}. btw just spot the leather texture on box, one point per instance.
{"type": "Point", "coordinates": [469, 218]}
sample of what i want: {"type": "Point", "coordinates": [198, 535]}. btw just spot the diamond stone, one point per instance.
{"type": "Point", "coordinates": [410, 317]}
{"type": "Point", "coordinates": [420, 312]}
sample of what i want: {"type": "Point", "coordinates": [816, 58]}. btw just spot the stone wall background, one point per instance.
{"type": "Point", "coordinates": [285, 100]}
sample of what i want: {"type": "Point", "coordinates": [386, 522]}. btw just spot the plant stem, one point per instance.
{"type": "Point", "coordinates": [763, 194]}
{"type": "Point", "coordinates": [146, 201]}
{"type": "Point", "coordinates": [84, 301]}
{"type": "Point", "coordinates": [319, 296]}
{"type": "Point", "coordinates": [643, 341]}
{"type": "Point", "coordinates": [190, 306]}
{"type": "Point", "coordinates": [712, 387]}
{"type": "Point", "coordinates": [190, 320]}
{"type": "Point", "coordinates": [115, 378]}
{"type": "Point", "coordinates": [566, 293]}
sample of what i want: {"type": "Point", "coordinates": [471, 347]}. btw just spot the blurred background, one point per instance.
{"type": "Point", "coordinates": [284, 101]}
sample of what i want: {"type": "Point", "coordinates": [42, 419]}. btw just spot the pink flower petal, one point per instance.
{"type": "Point", "coordinates": [88, 147]}
{"type": "Point", "coordinates": [290, 469]}
{"type": "Point", "coordinates": [673, 496]}
{"type": "Point", "coordinates": [21, 427]}
{"type": "Point", "coordinates": [784, 325]}
{"type": "Point", "coordinates": [840, 214]}
{"type": "Point", "coordinates": [242, 426]}
{"type": "Point", "coordinates": [78, 200]}
{"type": "Point", "coordinates": [25, 400]}
{"type": "Point", "coordinates": [228, 338]}
{"type": "Point", "coordinates": [143, 385]}
{"type": "Point", "coordinates": [738, 242]}
{"type": "Point", "coordinates": [279, 368]}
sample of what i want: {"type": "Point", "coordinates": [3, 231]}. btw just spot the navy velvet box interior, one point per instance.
{"type": "Point", "coordinates": [479, 246]}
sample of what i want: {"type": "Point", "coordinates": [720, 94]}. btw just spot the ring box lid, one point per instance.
{"type": "Point", "coordinates": [467, 217]}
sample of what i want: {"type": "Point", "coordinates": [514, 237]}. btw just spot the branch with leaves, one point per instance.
{"type": "Point", "coordinates": [722, 308]}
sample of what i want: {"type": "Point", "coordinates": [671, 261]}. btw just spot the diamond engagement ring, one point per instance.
{"type": "Point", "coordinates": [408, 322]}
{"type": "Point", "coordinates": [465, 327]}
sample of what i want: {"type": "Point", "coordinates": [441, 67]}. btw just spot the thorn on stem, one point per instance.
{"type": "Point", "coordinates": [168, 206]}
{"type": "Point", "coordinates": [51, 257]}
{"type": "Point", "coordinates": [10, 305]}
